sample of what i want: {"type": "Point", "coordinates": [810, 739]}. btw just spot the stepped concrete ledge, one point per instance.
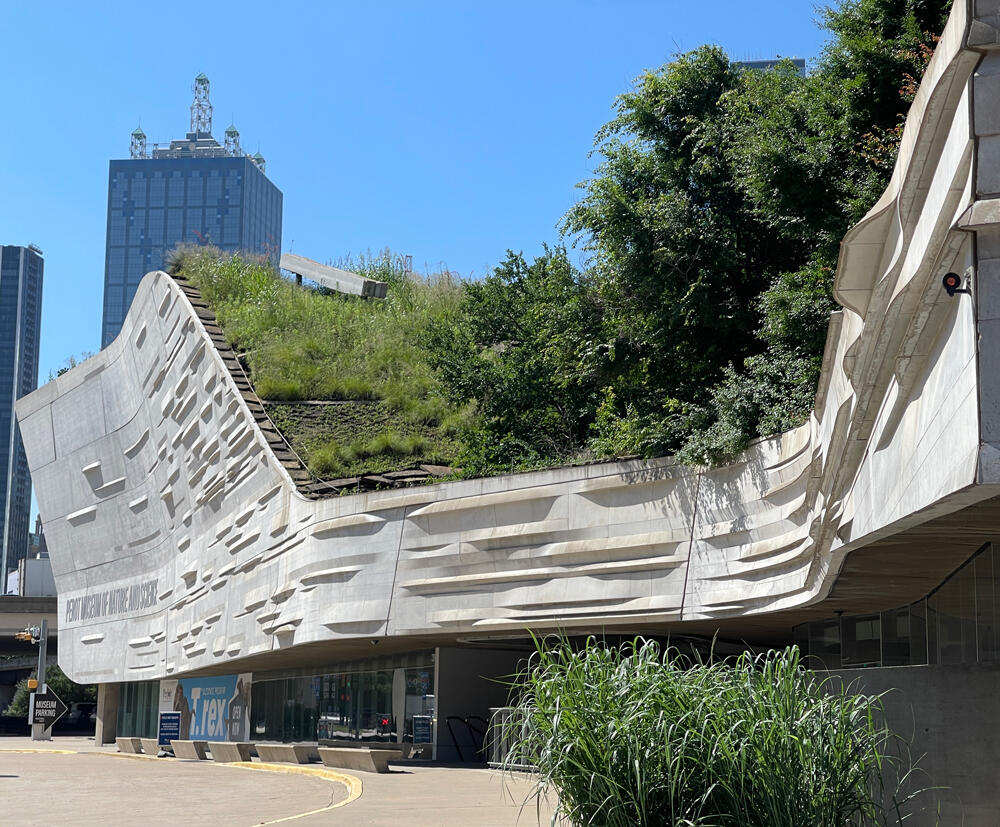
{"type": "Point", "coordinates": [191, 750]}
{"type": "Point", "coordinates": [165, 505]}
{"type": "Point", "coordinates": [288, 753]}
{"type": "Point", "coordinates": [366, 760]}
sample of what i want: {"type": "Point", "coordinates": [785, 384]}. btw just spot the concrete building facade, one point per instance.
{"type": "Point", "coordinates": [186, 552]}
{"type": "Point", "coordinates": [194, 190]}
{"type": "Point", "coordinates": [21, 274]}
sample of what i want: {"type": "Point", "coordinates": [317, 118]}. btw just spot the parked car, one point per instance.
{"type": "Point", "coordinates": [81, 714]}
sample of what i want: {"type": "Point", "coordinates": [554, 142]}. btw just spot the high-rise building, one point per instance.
{"type": "Point", "coordinates": [20, 324]}
{"type": "Point", "coordinates": [37, 547]}
{"type": "Point", "coordinates": [798, 63]}
{"type": "Point", "coordinates": [192, 190]}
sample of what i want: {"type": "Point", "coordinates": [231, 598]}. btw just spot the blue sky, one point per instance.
{"type": "Point", "coordinates": [448, 131]}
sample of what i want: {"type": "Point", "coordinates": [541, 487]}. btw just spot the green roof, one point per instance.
{"type": "Point", "coordinates": [201, 77]}
{"type": "Point", "coordinates": [258, 157]}
{"type": "Point", "coordinates": [232, 130]}
{"type": "Point", "coordinates": [138, 133]}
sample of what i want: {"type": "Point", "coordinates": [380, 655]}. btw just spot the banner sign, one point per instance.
{"type": "Point", "coordinates": [209, 709]}
{"type": "Point", "coordinates": [169, 729]}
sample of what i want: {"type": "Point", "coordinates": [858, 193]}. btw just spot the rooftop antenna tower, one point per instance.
{"type": "Point", "coordinates": [138, 148]}
{"type": "Point", "coordinates": [233, 142]}
{"type": "Point", "coordinates": [201, 108]}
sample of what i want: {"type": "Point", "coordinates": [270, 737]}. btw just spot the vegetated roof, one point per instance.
{"type": "Point", "coordinates": [327, 445]}
{"type": "Point", "coordinates": [299, 421]}
{"type": "Point", "coordinates": [344, 389]}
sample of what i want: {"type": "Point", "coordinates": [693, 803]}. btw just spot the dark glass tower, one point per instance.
{"type": "Point", "coordinates": [20, 325]}
{"type": "Point", "coordinates": [193, 190]}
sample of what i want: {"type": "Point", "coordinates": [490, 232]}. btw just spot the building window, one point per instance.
{"type": "Point", "coordinates": [139, 190]}
{"type": "Point", "coordinates": [367, 705]}
{"type": "Point", "coordinates": [138, 709]}
{"type": "Point", "coordinates": [116, 232]}
{"type": "Point", "coordinates": [175, 192]}
{"type": "Point", "coordinates": [957, 623]}
{"type": "Point", "coordinates": [156, 222]}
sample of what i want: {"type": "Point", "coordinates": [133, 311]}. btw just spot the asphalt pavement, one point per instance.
{"type": "Point", "coordinates": [69, 781]}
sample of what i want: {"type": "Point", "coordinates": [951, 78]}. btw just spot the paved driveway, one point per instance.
{"type": "Point", "coordinates": [86, 787]}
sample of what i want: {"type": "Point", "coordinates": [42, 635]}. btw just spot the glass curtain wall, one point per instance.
{"type": "Point", "coordinates": [138, 709]}
{"type": "Point", "coordinates": [957, 623]}
{"type": "Point", "coordinates": [364, 705]}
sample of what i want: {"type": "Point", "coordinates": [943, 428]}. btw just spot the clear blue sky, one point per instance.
{"type": "Point", "coordinates": [444, 130]}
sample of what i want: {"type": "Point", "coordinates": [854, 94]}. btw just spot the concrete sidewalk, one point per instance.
{"type": "Point", "coordinates": [87, 785]}
{"type": "Point", "coordinates": [429, 796]}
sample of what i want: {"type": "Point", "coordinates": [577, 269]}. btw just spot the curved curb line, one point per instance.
{"type": "Point", "coordinates": [141, 756]}
{"type": "Point", "coordinates": [353, 784]}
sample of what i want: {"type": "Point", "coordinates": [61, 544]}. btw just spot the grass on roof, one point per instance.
{"type": "Point", "coordinates": [306, 343]}
{"type": "Point", "coordinates": [347, 439]}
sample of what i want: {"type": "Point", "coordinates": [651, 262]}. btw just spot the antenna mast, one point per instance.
{"type": "Point", "coordinates": [201, 108]}
{"type": "Point", "coordinates": [233, 142]}
{"type": "Point", "coordinates": [138, 147]}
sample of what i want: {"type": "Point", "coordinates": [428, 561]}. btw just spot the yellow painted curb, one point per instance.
{"type": "Point", "coordinates": [354, 786]}
{"type": "Point", "coordinates": [141, 756]}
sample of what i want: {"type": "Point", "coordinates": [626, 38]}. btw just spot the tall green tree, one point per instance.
{"type": "Point", "coordinates": [55, 679]}
{"type": "Point", "coordinates": [520, 348]}
{"type": "Point", "coordinates": [677, 252]}
{"type": "Point", "coordinates": [713, 224]}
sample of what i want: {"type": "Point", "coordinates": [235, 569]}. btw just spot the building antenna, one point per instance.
{"type": "Point", "coordinates": [258, 159]}
{"type": "Point", "coordinates": [233, 141]}
{"type": "Point", "coordinates": [201, 107]}
{"type": "Point", "coordinates": [137, 148]}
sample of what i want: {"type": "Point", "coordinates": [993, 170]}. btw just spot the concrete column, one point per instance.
{"type": "Point", "coordinates": [399, 702]}
{"type": "Point", "coordinates": [106, 730]}
{"type": "Point", "coordinates": [949, 715]}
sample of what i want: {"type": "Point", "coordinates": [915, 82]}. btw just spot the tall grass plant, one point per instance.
{"type": "Point", "coordinates": [312, 343]}
{"type": "Point", "coordinates": [639, 735]}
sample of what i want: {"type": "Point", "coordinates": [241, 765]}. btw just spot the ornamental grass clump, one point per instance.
{"type": "Point", "coordinates": [639, 735]}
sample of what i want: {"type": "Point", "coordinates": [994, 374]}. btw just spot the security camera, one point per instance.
{"type": "Point", "coordinates": [952, 283]}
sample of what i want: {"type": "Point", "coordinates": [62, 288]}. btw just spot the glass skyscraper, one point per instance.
{"type": "Point", "coordinates": [21, 271]}
{"type": "Point", "coordinates": [193, 190]}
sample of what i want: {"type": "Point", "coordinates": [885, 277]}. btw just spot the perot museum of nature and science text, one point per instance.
{"type": "Point", "coordinates": [200, 567]}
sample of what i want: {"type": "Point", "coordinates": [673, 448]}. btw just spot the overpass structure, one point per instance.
{"type": "Point", "coordinates": [184, 545]}
{"type": "Point", "coordinates": [17, 613]}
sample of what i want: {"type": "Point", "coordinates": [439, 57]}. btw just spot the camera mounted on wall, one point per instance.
{"type": "Point", "coordinates": [952, 283]}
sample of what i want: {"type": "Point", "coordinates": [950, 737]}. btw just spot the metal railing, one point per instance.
{"type": "Point", "coordinates": [505, 730]}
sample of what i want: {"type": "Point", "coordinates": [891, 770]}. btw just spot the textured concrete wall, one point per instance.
{"type": "Point", "coordinates": [949, 714]}
{"type": "Point", "coordinates": [179, 542]}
